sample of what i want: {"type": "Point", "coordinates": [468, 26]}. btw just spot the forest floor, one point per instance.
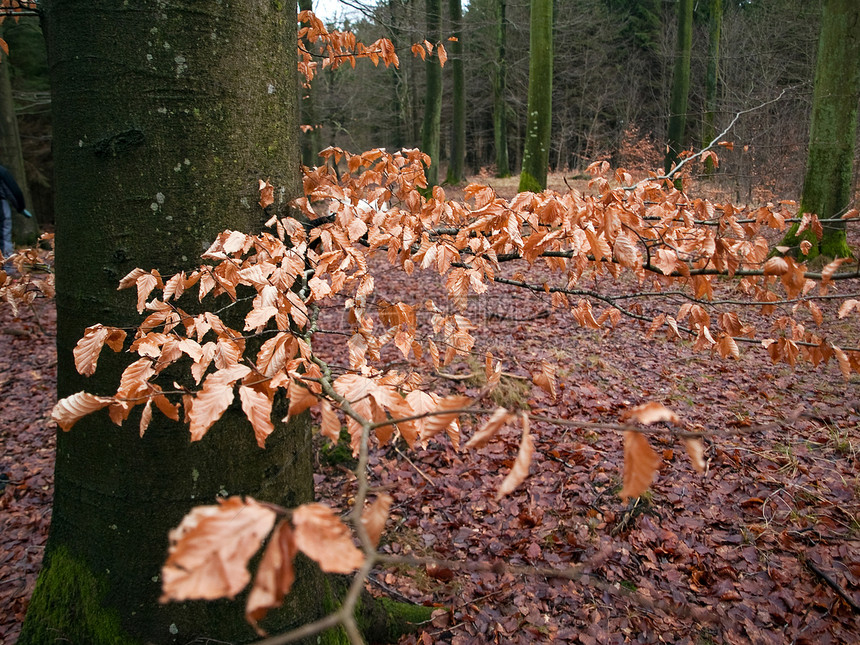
{"type": "Point", "coordinates": [764, 548]}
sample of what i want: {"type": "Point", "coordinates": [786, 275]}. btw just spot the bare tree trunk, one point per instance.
{"type": "Point", "coordinates": [165, 118]}
{"type": "Point", "coordinates": [500, 108]}
{"type": "Point", "coordinates": [715, 22]}
{"type": "Point", "coordinates": [680, 84]}
{"type": "Point", "coordinates": [539, 120]}
{"type": "Point", "coordinates": [456, 167]}
{"type": "Point", "coordinates": [833, 128]}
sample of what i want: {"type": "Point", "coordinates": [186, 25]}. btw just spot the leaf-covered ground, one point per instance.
{"type": "Point", "coordinates": [757, 550]}
{"type": "Point", "coordinates": [28, 375]}
{"type": "Point", "coordinates": [740, 555]}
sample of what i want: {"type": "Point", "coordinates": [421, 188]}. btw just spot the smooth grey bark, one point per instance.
{"type": "Point", "coordinates": [165, 117]}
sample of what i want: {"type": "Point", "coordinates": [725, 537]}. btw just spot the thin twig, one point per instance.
{"type": "Point", "coordinates": [417, 469]}
{"type": "Point", "coordinates": [830, 582]}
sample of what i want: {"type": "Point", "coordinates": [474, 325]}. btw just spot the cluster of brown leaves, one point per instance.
{"type": "Point", "coordinates": [426, 48]}
{"type": "Point", "coordinates": [661, 237]}
{"type": "Point", "coordinates": [336, 48]}
{"type": "Point", "coordinates": [210, 549]}
{"type": "Point", "coordinates": [32, 276]}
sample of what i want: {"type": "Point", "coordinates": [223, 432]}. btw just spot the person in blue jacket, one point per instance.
{"type": "Point", "coordinates": [10, 196]}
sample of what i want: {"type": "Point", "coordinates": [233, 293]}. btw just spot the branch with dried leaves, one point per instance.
{"type": "Point", "coordinates": [626, 238]}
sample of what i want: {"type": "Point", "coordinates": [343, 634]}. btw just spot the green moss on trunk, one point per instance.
{"type": "Point", "coordinates": [832, 132]}
{"type": "Point", "coordinates": [539, 121]}
{"type": "Point", "coordinates": [530, 183]}
{"type": "Point", "coordinates": [68, 606]}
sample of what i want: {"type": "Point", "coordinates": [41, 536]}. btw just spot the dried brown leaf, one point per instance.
{"type": "Point", "coordinates": [322, 537]}
{"type": "Point", "coordinates": [652, 412]}
{"type": "Point", "coordinates": [495, 423]}
{"type": "Point", "coordinates": [257, 406]}
{"type": "Point", "coordinates": [209, 550]}
{"type": "Point", "coordinates": [520, 469]}
{"type": "Point", "coordinates": [696, 450]}
{"type": "Point", "coordinates": [374, 517]}
{"type": "Point", "coordinates": [71, 409]}
{"type": "Point", "coordinates": [275, 576]}
{"type": "Point", "coordinates": [89, 347]}
{"type": "Point", "coordinates": [640, 465]}
{"type": "Point", "coordinates": [215, 397]}
{"type": "Point", "coordinates": [330, 425]}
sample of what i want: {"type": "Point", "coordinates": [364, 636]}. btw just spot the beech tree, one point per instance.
{"type": "Point", "coordinates": [715, 21]}
{"type": "Point", "coordinates": [163, 122]}
{"type": "Point", "coordinates": [827, 188]}
{"type": "Point", "coordinates": [500, 108]}
{"type": "Point", "coordinates": [430, 131]}
{"type": "Point", "coordinates": [539, 120]}
{"type": "Point", "coordinates": [457, 165]}
{"type": "Point", "coordinates": [680, 84]}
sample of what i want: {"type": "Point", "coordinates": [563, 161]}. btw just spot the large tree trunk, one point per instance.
{"type": "Point", "coordinates": [715, 23]}
{"type": "Point", "coordinates": [680, 84]}
{"type": "Point", "coordinates": [539, 121]}
{"type": "Point", "coordinates": [433, 94]}
{"type": "Point", "coordinates": [456, 167]}
{"type": "Point", "coordinates": [500, 108]}
{"type": "Point", "coordinates": [25, 230]}
{"type": "Point", "coordinates": [833, 128]}
{"type": "Point", "coordinates": [165, 116]}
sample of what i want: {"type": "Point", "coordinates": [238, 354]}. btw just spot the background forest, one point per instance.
{"type": "Point", "coordinates": [611, 88]}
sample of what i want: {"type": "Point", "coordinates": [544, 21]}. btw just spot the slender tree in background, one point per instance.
{"type": "Point", "coordinates": [433, 94]}
{"type": "Point", "coordinates": [312, 139]}
{"type": "Point", "coordinates": [24, 230]}
{"type": "Point", "coordinates": [456, 166]}
{"type": "Point", "coordinates": [500, 108]}
{"type": "Point", "coordinates": [399, 77]}
{"type": "Point", "coordinates": [715, 22]}
{"type": "Point", "coordinates": [164, 121]}
{"type": "Point", "coordinates": [827, 186]}
{"type": "Point", "coordinates": [539, 119]}
{"type": "Point", "coordinates": [680, 84]}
